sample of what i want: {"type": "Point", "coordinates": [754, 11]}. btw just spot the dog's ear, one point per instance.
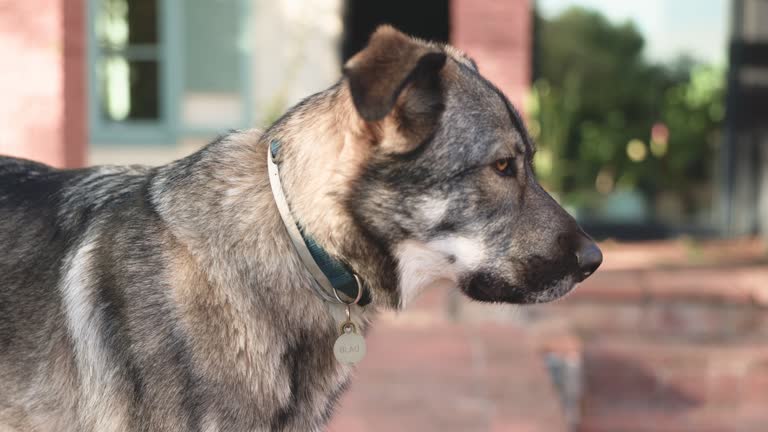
{"type": "Point", "coordinates": [397, 77]}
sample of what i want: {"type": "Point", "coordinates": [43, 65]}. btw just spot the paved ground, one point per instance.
{"type": "Point", "coordinates": [450, 377]}
{"type": "Point", "coordinates": [675, 386]}
{"type": "Point", "coordinates": [668, 336]}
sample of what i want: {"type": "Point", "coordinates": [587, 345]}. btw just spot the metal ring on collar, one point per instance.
{"type": "Point", "coordinates": [359, 292]}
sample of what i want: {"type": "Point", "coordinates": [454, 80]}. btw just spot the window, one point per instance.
{"type": "Point", "coordinates": [161, 70]}
{"type": "Point", "coordinates": [129, 88]}
{"type": "Point", "coordinates": [129, 60]}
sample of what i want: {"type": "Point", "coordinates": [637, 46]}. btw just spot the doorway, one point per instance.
{"type": "Point", "coordinates": [426, 19]}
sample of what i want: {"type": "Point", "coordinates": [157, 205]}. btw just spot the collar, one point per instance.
{"type": "Point", "coordinates": [331, 275]}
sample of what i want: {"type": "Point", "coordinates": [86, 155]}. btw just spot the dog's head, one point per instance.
{"type": "Point", "coordinates": [449, 188]}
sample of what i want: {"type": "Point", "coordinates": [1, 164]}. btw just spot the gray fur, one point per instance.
{"type": "Point", "coordinates": [170, 298]}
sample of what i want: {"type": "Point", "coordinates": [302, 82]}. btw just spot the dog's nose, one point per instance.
{"type": "Point", "coordinates": [588, 255]}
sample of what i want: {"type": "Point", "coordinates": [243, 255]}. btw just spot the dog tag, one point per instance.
{"type": "Point", "coordinates": [350, 346]}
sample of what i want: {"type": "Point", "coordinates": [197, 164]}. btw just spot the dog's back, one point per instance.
{"type": "Point", "coordinates": [30, 255]}
{"type": "Point", "coordinates": [30, 258]}
{"type": "Point", "coordinates": [44, 213]}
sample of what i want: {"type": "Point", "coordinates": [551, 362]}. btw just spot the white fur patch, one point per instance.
{"type": "Point", "coordinates": [100, 409]}
{"type": "Point", "coordinates": [434, 209]}
{"type": "Point", "coordinates": [422, 265]}
{"type": "Point", "coordinates": [469, 253]}
{"type": "Point", "coordinates": [210, 424]}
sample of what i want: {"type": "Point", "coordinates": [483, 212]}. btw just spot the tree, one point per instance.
{"type": "Point", "coordinates": [596, 101]}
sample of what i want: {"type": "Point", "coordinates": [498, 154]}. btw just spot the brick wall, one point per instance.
{"type": "Point", "coordinates": [42, 80]}
{"type": "Point", "coordinates": [498, 35]}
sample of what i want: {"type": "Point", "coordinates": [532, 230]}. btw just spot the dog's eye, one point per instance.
{"type": "Point", "coordinates": [505, 167]}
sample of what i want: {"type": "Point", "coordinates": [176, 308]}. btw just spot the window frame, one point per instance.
{"type": "Point", "coordinates": [167, 130]}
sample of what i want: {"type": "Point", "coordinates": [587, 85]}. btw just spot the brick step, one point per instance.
{"type": "Point", "coordinates": [449, 377]}
{"type": "Point", "coordinates": [735, 284]}
{"type": "Point", "coordinates": [682, 253]}
{"type": "Point", "coordinates": [697, 321]}
{"type": "Point", "coordinates": [641, 385]}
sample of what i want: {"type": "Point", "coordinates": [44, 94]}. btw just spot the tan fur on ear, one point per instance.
{"type": "Point", "coordinates": [378, 73]}
{"type": "Point", "coordinates": [395, 82]}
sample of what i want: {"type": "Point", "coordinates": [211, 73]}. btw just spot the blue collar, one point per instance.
{"type": "Point", "coordinates": [336, 273]}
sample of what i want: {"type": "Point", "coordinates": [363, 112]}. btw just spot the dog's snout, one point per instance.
{"type": "Point", "coordinates": [588, 255]}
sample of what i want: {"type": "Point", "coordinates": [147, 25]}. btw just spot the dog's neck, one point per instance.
{"type": "Point", "coordinates": [324, 147]}
{"type": "Point", "coordinates": [320, 158]}
{"type": "Point", "coordinates": [334, 278]}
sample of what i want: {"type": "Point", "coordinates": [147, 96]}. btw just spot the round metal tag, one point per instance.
{"type": "Point", "coordinates": [349, 348]}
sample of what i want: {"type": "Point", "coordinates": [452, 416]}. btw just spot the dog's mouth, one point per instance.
{"type": "Point", "coordinates": [487, 287]}
{"type": "Point", "coordinates": [542, 282]}
{"type": "Point", "coordinates": [554, 292]}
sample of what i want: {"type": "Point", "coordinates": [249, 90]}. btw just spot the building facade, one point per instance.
{"type": "Point", "coordinates": [43, 80]}
{"type": "Point", "coordinates": [148, 81]}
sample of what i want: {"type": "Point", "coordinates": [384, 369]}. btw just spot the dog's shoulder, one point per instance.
{"type": "Point", "coordinates": [68, 200]}
{"type": "Point", "coordinates": [16, 175]}
{"type": "Point", "coordinates": [14, 166]}
{"type": "Point", "coordinates": [25, 183]}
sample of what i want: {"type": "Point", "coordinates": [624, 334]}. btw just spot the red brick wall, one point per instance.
{"type": "Point", "coordinates": [498, 35]}
{"type": "Point", "coordinates": [75, 83]}
{"type": "Point", "coordinates": [42, 70]}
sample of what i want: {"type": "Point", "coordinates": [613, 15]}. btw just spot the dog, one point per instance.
{"type": "Point", "coordinates": [174, 298]}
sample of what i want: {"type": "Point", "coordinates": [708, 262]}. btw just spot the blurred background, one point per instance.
{"type": "Point", "coordinates": [651, 118]}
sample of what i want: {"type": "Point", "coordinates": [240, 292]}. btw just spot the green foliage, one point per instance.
{"type": "Point", "coordinates": [595, 102]}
